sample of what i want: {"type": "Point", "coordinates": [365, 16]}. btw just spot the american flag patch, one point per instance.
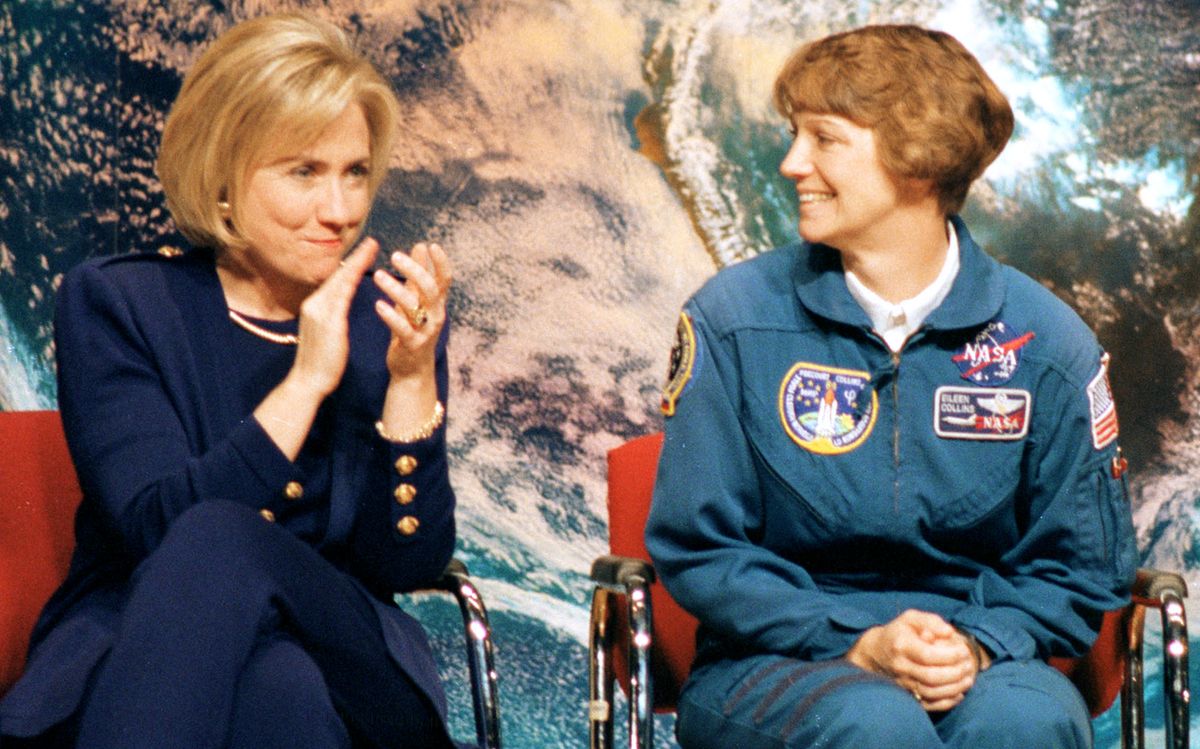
{"type": "Point", "coordinates": [1103, 407]}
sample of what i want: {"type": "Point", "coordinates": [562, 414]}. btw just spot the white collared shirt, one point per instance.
{"type": "Point", "coordinates": [896, 322]}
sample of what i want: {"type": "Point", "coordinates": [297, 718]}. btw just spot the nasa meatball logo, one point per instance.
{"type": "Point", "coordinates": [827, 410]}
{"type": "Point", "coordinates": [992, 357]}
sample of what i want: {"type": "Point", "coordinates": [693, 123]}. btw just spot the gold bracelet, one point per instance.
{"type": "Point", "coordinates": [421, 433]}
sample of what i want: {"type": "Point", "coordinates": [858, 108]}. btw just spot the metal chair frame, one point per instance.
{"type": "Point", "coordinates": [622, 629]}
{"type": "Point", "coordinates": [480, 660]}
{"type": "Point", "coordinates": [630, 579]}
{"type": "Point", "coordinates": [53, 461]}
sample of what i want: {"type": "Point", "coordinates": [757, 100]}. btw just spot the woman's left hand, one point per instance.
{"type": "Point", "coordinates": [417, 310]}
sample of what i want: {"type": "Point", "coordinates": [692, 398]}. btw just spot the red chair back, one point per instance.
{"type": "Point", "coordinates": [38, 497]}
{"type": "Point", "coordinates": [631, 470]}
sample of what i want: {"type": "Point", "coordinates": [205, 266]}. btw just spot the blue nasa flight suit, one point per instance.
{"type": "Point", "coordinates": [813, 485]}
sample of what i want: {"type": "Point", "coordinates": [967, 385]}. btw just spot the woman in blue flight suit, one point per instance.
{"type": "Point", "coordinates": [890, 486]}
{"type": "Point", "coordinates": [257, 425]}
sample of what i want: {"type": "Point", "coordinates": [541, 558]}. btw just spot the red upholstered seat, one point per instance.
{"type": "Point", "coordinates": [38, 497]}
{"type": "Point", "coordinates": [670, 643]}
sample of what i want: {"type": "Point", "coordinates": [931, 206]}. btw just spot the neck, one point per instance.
{"type": "Point", "coordinates": [897, 272]}
{"type": "Point", "coordinates": [253, 293]}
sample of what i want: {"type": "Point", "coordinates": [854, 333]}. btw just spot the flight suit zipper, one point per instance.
{"type": "Point", "coordinates": [896, 432]}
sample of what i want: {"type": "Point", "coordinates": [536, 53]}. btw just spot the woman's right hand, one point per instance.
{"type": "Point", "coordinates": [288, 411]}
{"type": "Point", "coordinates": [924, 654]}
{"type": "Point", "coordinates": [324, 330]}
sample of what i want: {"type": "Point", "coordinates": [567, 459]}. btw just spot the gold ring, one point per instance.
{"type": "Point", "coordinates": [418, 316]}
{"type": "Point", "coordinates": [917, 695]}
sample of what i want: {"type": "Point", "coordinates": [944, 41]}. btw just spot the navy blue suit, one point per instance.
{"type": "Point", "coordinates": [196, 532]}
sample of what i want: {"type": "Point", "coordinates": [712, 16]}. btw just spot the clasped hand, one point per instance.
{"type": "Point", "coordinates": [924, 654]}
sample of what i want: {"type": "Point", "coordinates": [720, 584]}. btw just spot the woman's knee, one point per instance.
{"type": "Point", "coordinates": [212, 539]}
{"type": "Point", "coordinates": [1019, 704]}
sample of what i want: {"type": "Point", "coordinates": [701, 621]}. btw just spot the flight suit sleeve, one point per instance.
{"type": "Point", "coordinates": [707, 511]}
{"type": "Point", "coordinates": [1077, 557]}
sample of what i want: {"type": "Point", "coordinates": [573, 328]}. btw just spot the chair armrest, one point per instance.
{"type": "Point", "coordinates": [1152, 584]}
{"type": "Point", "coordinates": [621, 573]}
{"type": "Point", "coordinates": [632, 579]}
{"type": "Point", "coordinates": [480, 660]}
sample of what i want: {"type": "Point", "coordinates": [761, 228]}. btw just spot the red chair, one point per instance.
{"type": "Point", "coordinates": [38, 496]}
{"type": "Point", "coordinates": [641, 638]}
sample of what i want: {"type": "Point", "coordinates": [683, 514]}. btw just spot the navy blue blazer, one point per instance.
{"type": "Point", "coordinates": [147, 389]}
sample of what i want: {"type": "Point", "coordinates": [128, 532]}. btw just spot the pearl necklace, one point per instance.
{"type": "Point", "coordinates": [286, 339]}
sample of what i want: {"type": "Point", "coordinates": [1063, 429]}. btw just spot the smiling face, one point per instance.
{"type": "Point", "coordinates": [848, 200]}
{"type": "Point", "coordinates": [301, 208]}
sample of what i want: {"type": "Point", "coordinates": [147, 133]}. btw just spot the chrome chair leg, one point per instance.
{"type": "Point", "coordinates": [484, 692]}
{"type": "Point", "coordinates": [600, 676]}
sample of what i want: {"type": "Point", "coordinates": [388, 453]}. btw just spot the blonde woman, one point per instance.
{"type": "Point", "coordinates": [258, 427]}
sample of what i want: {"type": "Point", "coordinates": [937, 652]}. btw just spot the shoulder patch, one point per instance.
{"type": "Point", "coordinates": [826, 410]}
{"type": "Point", "coordinates": [1103, 407]}
{"type": "Point", "coordinates": [684, 355]}
{"type": "Point", "coordinates": [992, 357]}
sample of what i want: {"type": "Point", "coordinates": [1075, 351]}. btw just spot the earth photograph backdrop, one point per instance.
{"type": "Point", "coordinates": [588, 164]}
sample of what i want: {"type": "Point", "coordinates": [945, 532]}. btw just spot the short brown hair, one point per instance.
{"type": "Point", "coordinates": [936, 113]}
{"type": "Point", "coordinates": [275, 79]}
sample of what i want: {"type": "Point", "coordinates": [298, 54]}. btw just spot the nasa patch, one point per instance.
{"type": "Point", "coordinates": [682, 365]}
{"type": "Point", "coordinates": [992, 357]}
{"type": "Point", "coordinates": [1103, 407]}
{"type": "Point", "coordinates": [826, 410]}
{"type": "Point", "coordinates": [971, 413]}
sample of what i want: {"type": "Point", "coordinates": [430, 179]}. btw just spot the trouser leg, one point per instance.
{"type": "Point", "coordinates": [199, 604]}
{"type": "Point", "coordinates": [282, 702]}
{"type": "Point", "coordinates": [774, 702]}
{"type": "Point", "coordinates": [1016, 705]}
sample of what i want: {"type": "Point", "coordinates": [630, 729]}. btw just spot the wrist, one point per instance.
{"type": "Point", "coordinates": [982, 658]}
{"type": "Point", "coordinates": [421, 432]}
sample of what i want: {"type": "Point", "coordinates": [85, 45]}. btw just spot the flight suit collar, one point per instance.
{"type": "Point", "coordinates": [976, 296]}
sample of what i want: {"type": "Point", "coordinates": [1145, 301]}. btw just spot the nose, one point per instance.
{"type": "Point", "coordinates": [335, 207]}
{"type": "Point", "coordinates": [797, 162]}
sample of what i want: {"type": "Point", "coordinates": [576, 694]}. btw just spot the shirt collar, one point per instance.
{"type": "Point", "coordinates": [896, 322]}
{"type": "Point", "coordinates": [975, 296]}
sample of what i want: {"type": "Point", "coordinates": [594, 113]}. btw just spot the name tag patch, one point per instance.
{"type": "Point", "coordinates": [968, 413]}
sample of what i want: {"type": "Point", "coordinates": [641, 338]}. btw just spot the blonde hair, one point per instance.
{"type": "Point", "coordinates": [936, 113]}
{"type": "Point", "coordinates": [278, 78]}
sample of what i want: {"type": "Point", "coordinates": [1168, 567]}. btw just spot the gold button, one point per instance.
{"type": "Point", "coordinates": [168, 251]}
{"type": "Point", "coordinates": [405, 493]}
{"type": "Point", "coordinates": [293, 490]}
{"type": "Point", "coordinates": [408, 525]}
{"type": "Point", "coordinates": [267, 515]}
{"type": "Point", "coordinates": [405, 465]}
